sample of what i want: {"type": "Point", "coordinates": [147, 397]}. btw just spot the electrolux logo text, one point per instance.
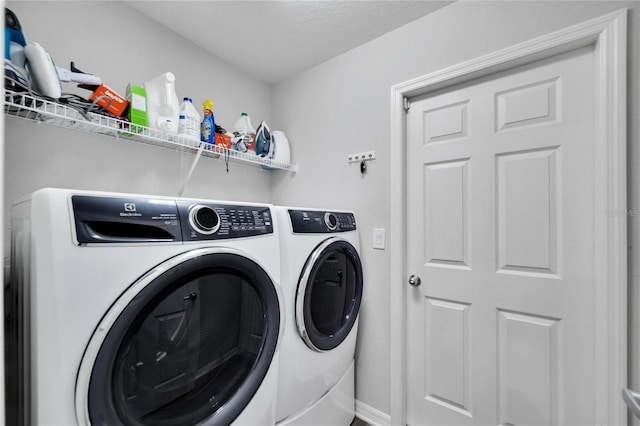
{"type": "Point", "coordinates": [130, 208]}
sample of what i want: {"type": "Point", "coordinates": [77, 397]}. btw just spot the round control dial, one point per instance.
{"type": "Point", "coordinates": [331, 221]}
{"type": "Point", "coordinates": [204, 219]}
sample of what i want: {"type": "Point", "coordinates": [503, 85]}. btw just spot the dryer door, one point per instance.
{"type": "Point", "coordinates": [189, 343]}
{"type": "Point", "coordinates": [329, 294]}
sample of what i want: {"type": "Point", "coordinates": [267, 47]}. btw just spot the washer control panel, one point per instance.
{"type": "Point", "coordinates": [321, 222]}
{"type": "Point", "coordinates": [104, 219]}
{"type": "Point", "coordinates": [205, 221]}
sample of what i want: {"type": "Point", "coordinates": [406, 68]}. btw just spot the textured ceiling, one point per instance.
{"type": "Point", "coordinates": [273, 40]}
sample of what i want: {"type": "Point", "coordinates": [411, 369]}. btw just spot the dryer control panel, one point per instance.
{"type": "Point", "coordinates": [321, 222]}
{"type": "Point", "coordinates": [103, 219]}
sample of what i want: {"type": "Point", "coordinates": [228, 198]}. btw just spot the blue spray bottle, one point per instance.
{"type": "Point", "coordinates": [208, 125]}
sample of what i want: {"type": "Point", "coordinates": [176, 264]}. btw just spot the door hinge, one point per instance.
{"type": "Point", "coordinates": [407, 104]}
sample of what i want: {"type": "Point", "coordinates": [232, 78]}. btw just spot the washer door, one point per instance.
{"type": "Point", "coordinates": [329, 294]}
{"type": "Point", "coordinates": [189, 343]}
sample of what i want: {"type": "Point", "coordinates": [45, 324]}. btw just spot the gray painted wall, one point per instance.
{"type": "Point", "coordinates": [117, 43]}
{"type": "Point", "coordinates": [343, 106]}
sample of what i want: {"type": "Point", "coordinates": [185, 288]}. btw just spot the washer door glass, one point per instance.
{"type": "Point", "coordinates": [329, 294]}
{"type": "Point", "coordinates": [192, 346]}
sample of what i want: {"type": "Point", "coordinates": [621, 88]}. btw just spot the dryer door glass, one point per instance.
{"type": "Point", "coordinates": [329, 294]}
{"type": "Point", "coordinates": [193, 345]}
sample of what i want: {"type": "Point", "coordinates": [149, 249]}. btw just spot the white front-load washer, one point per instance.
{"type": "Point", "coordinates": [131, 309]}
{"type": "Point", "coordinates": [322, 283]}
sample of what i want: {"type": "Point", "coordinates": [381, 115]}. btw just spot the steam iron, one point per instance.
{"type": "Point", "coordinates": [14, 55]}
{"type": "Point", "coordinates": [263, 141]}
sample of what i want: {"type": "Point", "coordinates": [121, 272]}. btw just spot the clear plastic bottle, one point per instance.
{"type": "Point", "coordinates": [244, 135]}
{"type": "Point", "coordinates": [189, 124]}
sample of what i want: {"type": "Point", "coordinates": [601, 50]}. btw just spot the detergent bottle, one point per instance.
{"type": "Point", "coordinates": [244, 135]}
{"type": "Point", "coordinates": [163, 107]}
{"type": "Point", "coordinates": [189, 124]}
{"type": "Point", "coordinates": [208, 125]}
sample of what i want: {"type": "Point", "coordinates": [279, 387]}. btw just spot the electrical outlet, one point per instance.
{"type": "Point", "coordinates": [361, 156]}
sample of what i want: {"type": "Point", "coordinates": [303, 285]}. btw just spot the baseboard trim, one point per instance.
{"type": "Point", "coordinates": [372, 416]}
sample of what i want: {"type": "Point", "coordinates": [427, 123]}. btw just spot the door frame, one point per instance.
{"type": "Point", "coordinates": [608, 33]}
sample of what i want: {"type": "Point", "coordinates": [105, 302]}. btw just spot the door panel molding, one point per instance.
{"type": "Point", "coordinates": [608, 35]}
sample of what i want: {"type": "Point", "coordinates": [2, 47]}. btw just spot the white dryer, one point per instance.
{"type": "Point", "coordinates": [322, 283]}
{"type": "Point", "coordinates": [142, 310]}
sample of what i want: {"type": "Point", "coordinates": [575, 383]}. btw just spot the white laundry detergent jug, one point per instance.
{"type": "Point", "coordinates": [244, 135]}
{"type": "Point", "coordinates": [163, 107]}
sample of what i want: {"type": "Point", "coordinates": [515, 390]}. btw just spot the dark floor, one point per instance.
{"type": "Point", "coordinates": [358, 422]}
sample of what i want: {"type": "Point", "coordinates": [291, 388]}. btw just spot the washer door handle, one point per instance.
{"type": "Point", "coordinates": [191, 296]}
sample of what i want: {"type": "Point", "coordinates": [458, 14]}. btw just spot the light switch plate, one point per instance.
{"type": "Point", "coordinates": [378, 238]}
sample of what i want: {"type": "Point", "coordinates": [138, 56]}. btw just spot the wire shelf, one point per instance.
{"type": "Point", "coordinates": [37, 109]}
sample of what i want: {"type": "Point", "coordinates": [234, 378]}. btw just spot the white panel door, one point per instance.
{"type": "Point", "coordinates": [500, 181]}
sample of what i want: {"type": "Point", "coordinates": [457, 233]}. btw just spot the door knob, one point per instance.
{"type": "Point", "coordinates": [414, 280]}
{"type": "Point", "coordinates": [632, 399]}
